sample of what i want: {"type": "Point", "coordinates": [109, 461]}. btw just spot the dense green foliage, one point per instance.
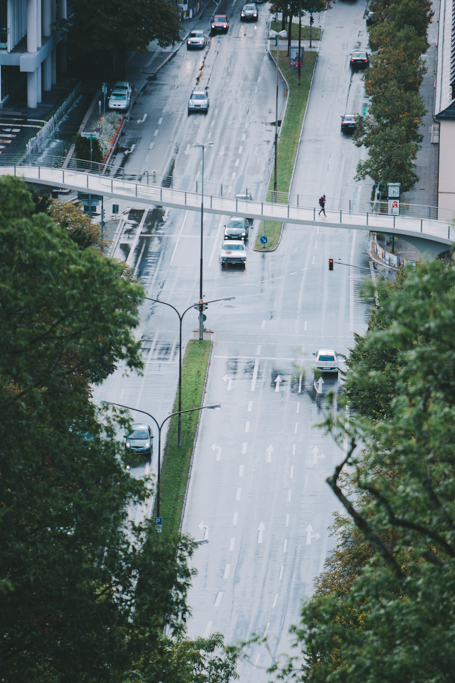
{"type": "Point", "coordinates": [85, 593]}
{"type": "Point", "coordinates": [384, 610]}
{"type": "Point", "coordinates": [82, 150]}
{"type": "Point", "coordinates": [390, 130]}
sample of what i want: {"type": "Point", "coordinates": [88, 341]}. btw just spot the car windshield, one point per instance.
{"type": "Point", "coordinates": [349, 118]}
{"type": "Point", "coordinates": [198, 96]}
{"type": "Point", "coordinates": [360, 55]}
{"type": "Point", "coordinates": [220, 20]}
{"type": "Point", "coordinates": [118, 96]}
{"type": "Point", "coordinates": [233, 247]}
{"type": "Point", "coordinates": [196, 34]}
{"type": "Point", "coordinates": [236, 224]}
{"type": "Point", "coordinates": [139, 434]}
{"type": "Point", "coordinates": [249, 7]}
{"type": "Point", "coordinates": [326, 358]}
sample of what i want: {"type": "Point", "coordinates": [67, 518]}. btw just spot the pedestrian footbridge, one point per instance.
{"type": "Point", "coordinates": [441, 232]}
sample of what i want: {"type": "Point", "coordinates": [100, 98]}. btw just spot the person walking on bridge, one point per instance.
{"type": "Point", "coordinates": [322, 201]}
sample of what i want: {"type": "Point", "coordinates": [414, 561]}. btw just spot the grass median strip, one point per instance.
{"type": "Point", "coordinates": [289, 139]}
{"type": "Point", "coordinates": [176, 461]}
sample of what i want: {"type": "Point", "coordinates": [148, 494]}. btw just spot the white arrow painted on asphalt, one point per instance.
{"type": "Point", "coordinates": [260, 528]}
{"type": "Point", "coordinates": [128, 151]}
{"type": "Point", "coordinates": [300, 384]}
{"type": "Point", "coordinates": [269, 453]}
{"type": "Point", "coordinates": [142, 119]}
{"type": "Point", "coordinates": [216, 448]}
{"type": "Point", "coordinates": [228, 379]}
{"type": "Point", "coordinates": [319, 383]}
{"type": "Point", "coordinates": [317, 455]}
{"type": "Point", "coordinates": [277, 383]}
{"type": "Point", "coordinates": [206, 532]}
{"type": "Point", "coordinates": [310, 535]}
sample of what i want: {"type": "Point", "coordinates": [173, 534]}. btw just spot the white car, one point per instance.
{"type": "Point", "coordinates": [123, 85]}
{"type": "Point", "coordinates": [326, 360]}
{"type": "Point", "coordinates": [197, 40]}
{"type": "Point", "coordinates": [119, 99]}
{"type": "Point", "coordinates": [233, 252]}
{"type": "Point", "coordinates": [199, 101]}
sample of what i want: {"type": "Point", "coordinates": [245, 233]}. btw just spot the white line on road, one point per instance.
{"type": "Point", "coordinates": [237, 161]}
{"type": "Point", "coordinates": [274, 600]}
{"type": "Point", "coordinates": [142, 119]}
{"type": "Point", "coordinates": [240, 149]}
{"type": "Point", "coordinates": [261, 529]}
{"type": "Point", "coordinates": [289, 495]}
{"type": "Point", "coordinates": [255, 374]}
{"type": "Point", "coordinates": [266, 629]}
{"type": "Point", "coordinates": [226, 571]}
{"type": "Point", "coordinates": [235, 518]}
{"type": "Point", "coordinates": [222, 150]}
{"type": "Point", "coordinates": [298, 407]}
{"type": "Point", "coordinates": [178, 238]}
{"type": "Point", "coordinates": [304, 328]}
{"type": "Point", "coordinates": [217, 450]}
{"type": "Point", "coordinates": [287, 519]}
{"type": "Point", "coordinates": [312, 263]}
{"type": "Point", "coordinates": [250, 406]}
{"type": "Point", "coordinates": [244, 135]}
{"type": "Point", "coordinates": [241, 470]}
{"type": "Point", "coordinates": [227, 379]}
{"type": "Point", "coordinates": [231, 545]}
{"type": "Point", "coordinates": [315, 244]}
{"type": "Point", "coordinates": [160, 121]}
{"type": "Point", "coordinates": [293, 449]}
{"type": "Point", "coordinates": [269, 453]}
{"type": "Point", "coordinates": [292, 472]}
{"type": "Point", "coordinates": [281, 572]}
{"type": "Point", "coordinates": [218, 599]}
{"type": "Point", "coordinates": [296, 427]}
{"type": "Point", "coordinates": [151, 145]}
{"type": "Point", "coordinates": [188, 150]}
{"type": "Point", "coordinates": [247, 426]}
{"type": "Point", "coordinates": [155, 133]}
{"type": "Point", "coordinates": [263, 324]}
{"type": "Point", "coordinates": [207, 629]}
{"type": "Point", "coordinates": [258, 351]}
{"type": "Point", "coordinates": [259, 654]}
{"type": "Point", "coordinates": [239, 493]}
{"type": "Point", "coordinates": [244, 445]}
{"type": "Point", "coordinates": [285, 545]}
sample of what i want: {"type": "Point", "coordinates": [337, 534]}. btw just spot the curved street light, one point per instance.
{"type": "Point", "coordinates": [277, 35]}
{"type": "Point", "coordinates": [159, 427]}
{"type": "Point", "coordinates": [201, 313]}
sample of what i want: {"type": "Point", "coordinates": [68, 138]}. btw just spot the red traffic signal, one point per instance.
{"type": "Point", "coordinates": [330, 263]}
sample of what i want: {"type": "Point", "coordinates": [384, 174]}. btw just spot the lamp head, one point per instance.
{"type": "Point", "coordinates": [217, 406]}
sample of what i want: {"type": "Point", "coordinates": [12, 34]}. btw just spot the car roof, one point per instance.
{"type": "Point", "coordinates": [349, 116]}
{"type": "Point", "coordinates": [326, 352]}
{"type": "Point", "coordinates": [121, 84]}
{"type": "Point", "coordinates": [138, 425]}
{"type": "Point", "coordinates": [199, 92]}
{"type": "Point", "coordinates": [220, 16]}
{"type": "Point", "coordinates": [231, 242]}
{"type": "Point", "coordinates": [196, 30]}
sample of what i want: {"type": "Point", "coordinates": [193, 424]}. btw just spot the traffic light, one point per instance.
{"type": "Point", "coordinates": [201, 306]}
{"type": "Point", "coordinates": [330, 263]}
{"type": "Point", "coordinates": [311, 20]}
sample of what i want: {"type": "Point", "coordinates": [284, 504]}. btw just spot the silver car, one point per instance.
{"type": "Point", "coordinates": [233, 252]}
{"type": "Point", "coordinates": [197, 40]}
{"type": "Point", "coordinates": [199, 101]}
{"type": "Point", "coordinates": [119, 99]}
{"type": "Point", "coordinates": [326, 360]}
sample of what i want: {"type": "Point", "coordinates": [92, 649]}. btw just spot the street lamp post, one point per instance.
{"type": "Point", "coordinates": [300, 41]}
{"type": "Point", "coordinates": [180, 315]}
{"type": "Point", "coordinates": [201, 296]}
{"type": "Point", "coordinates": [311, 24]}
{"type": "Point", "coordinates": [159, 427]}
{"type": "Point", "coordinates": [277, 35]}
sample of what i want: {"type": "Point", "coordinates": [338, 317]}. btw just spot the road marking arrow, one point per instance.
{"type": "Point", "coordinates": [277, 383]}
{"type": "Point", "coordinates": [216, 448]}
{"type": "Point", "coordinates": [228, 379]}
{"type": "Point", "coordinates": [260, 528]}
{"type": "Point", "coordinates": [128, 151]}
{"type": "Point", "coordinates": [142, 119]}
{"type": "Point", "coordinates": [319, 384]}
{"type": "Point", "coordinates": [317, 455]}
{"type": "Point", "coordinates": [206, 532]}
{"type": "Point", "coordinates": [269, 453]}
{"type": "Point", "coordinates": [310, 535]}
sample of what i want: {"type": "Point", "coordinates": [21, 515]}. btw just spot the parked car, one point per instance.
{"type": "Point", "coordinates": [348, 123]}
{"type": "Point", "coordinates": [119, 99]}
{"type": "Point", "coordinates": [237, 228]}
{"type": "Point", "coordinates": [360, 59]}
{"type": "Point", "coordinates": [233, 253]}
{"type": "Point", "coordinates": [220, 23]}
{"type": "Point", "coordinates": [326, 360]}
{"type": "Point", "coordinates": [199, 101]}
{"type": "Point", "coordinates": [123, 85]}
{"type": "Point", "coordinates": [249, 12]}
{"type": "Point", "coordinates": [140, 440]}
{"type": "Point", "coordinates": [196, 40]}
{"type": "Point", "coordinates": [370, 18]}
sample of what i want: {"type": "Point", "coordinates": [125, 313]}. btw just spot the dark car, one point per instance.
{"type": "Point", "coordinates": [360, 60]}
{"type": "Point", "coordinates": [220, 23]}
{"type": "Point", "coordinates": [370, 18]}
{"type": "Point", "coordinates": [237, 229]}
{"type": "Point", "coordinates": [140, 440]}
{"type": "Point", "coordinates": [249, 12]}
{"type": "Point", "coordinates": [348, 123]}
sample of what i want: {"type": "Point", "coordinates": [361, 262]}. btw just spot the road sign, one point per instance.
{"type": "Point", "coordinates": [393, 190]}
{"type": "Point", "coordinates": [393, 207]}
{"type": "Point", "coordinates": [264, 239]}
{"type": "Point", "coordinates": [91, 135]}
{"type": "Point", "coordinates": [159, 524]}
{"type": "Point", "coordinates": [204, 317]}
{"type": "Point", "coordinates": [294, 58]}
{"type": "Point", "coordinates": [115, 208]}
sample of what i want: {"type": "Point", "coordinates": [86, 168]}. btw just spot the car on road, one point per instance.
{"type": "Point", "coordinates": [123, 85]}
{"type": "Point", "coordinates": [199, 101]}
{"type": "Point", "coordinates": [233, 253]}
{"type": "Point", "coordinates": [237, 228]}
{"type": "Point", "coordinates": [370, 19]}
{"type": "Point", "coordinates": [219, 23]}
{"type": "Point", "coordinates": [348, 123]}
{"type": "Point", "coordinates": [139, 441]}
{"type": "Point", "coordinates": [119, 99]}
{"type": "Point", "coordinates": [196, 40]}
{"type": "Point", "coordinates": [326, 360]}
{"type": "Point", "coordinates": [360, 59]}
{"type": "Point", "coordinates": [249, 12]}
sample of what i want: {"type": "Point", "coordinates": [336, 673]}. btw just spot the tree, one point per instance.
{"type": "Point", "coordinates": [85, 593]}
{"type": "Point", "coordinates": [80, 228]}
{"type": "Point", "coordinates": [88, 150]}
{"type": "Point", "coordinates": [392, 615]}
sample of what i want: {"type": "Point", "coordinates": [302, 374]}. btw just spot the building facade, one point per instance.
{"type": "Point", "coordinates": [445, 105]}
{"type": "Point", "coordinates": [30, 46]}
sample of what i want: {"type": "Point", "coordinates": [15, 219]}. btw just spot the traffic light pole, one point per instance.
{"type": "Point", "coordinates": [311, 24]}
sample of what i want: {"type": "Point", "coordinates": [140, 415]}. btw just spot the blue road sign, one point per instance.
{"type": "Point", "coordinates": [158, 521]}
{"type": "Point", "coordinates": [264, 239]}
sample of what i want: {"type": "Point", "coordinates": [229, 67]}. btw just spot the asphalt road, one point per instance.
{"type": "Point", "coordinates": [258, 481]}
